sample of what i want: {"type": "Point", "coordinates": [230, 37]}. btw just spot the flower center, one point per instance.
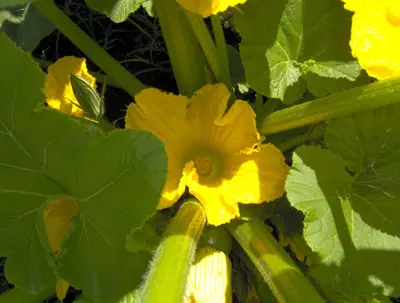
{"type": "Point", "coordinates": [393, 14]}
{"type": "Point", "coordinates": [203, 165]}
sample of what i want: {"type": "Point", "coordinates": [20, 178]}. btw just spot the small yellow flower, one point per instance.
{"type": "Point", "coordinates": [56, 216]}
{"type": "Point", "coordinates": [206, 8]}
{"type": "Point", "coordinates": [209, 278]}
{"type": "Point", "coordinates": [58, 89]}
{"type": "Point", "coordinates": [217, 155]}
{"type": "Point", "coordinates": [375, 36]}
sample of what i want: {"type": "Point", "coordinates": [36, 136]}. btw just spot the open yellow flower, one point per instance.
{"type": "Point", "coordinates": [375, 36]}
{"type": "Point", "coordinates": [206, 8]}
{"type": "Point", "coordinates": [58, 89]}
{"type": "Point", "coordinates": [57, 215]}
{"type": "Point", "coordinates": [217, 155]}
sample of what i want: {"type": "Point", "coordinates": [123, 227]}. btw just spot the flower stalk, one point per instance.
{"type": "Point", "coordinates": [98, 55]}
{"type": "Point", "coordinates": [222, 51]}
{"type": "Point", "coordinates": [166, 280]}
{"type": "Point", "coordinates": [278, 270]}
{"type": "Point", "coordinates": [358, 99]}
{"type": "Point", "coordinates": [185, 54]}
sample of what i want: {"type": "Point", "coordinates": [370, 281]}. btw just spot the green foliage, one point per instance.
{"type": "Point", "coordinates": [28, 33]}
{"type": "Point", "coordinates": [369, 144]}
{"type": "Point", "coordinates": [116, 179]}
{"type": "Point", "coordinates": [300, 45]}
{"type": "Point", "coordinates": [356, 259]}
{"type": "Point", "coordinates": [12, 3]}
{"type": "Point", "coordinates": [119, 10]}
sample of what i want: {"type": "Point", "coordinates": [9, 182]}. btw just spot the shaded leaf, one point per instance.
{"type": "Point", "coordinates": [356, 259]}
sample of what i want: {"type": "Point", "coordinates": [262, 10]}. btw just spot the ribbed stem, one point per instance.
{"type": "Point", "coordinates": [98, 55]}
{"type": "Point", "coordinates": [278, 270]}
{"type": "Point", "coordinates": [169, 270]}
{"type": "Point", "coordinates": [184, 52]}
{"type": "Point", "coordinates": [222, 51]}
{"type": "Point", "coordinates": [363, 98]}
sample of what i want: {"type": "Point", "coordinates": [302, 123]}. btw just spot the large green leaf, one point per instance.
{"type": "Point", "coordinates": [116, 178]}
{"type": "Point", "coordinates": [369, 143]}
{"type": "Point", "coordinates": [284, 41]}
{"type": "Point", "coordinates": [30, 31]}
{"type": "Point", "coordinates": [356, 259]}
{"type": "Point", "coordinates": [119, 10]}
{"type": "Point", "coordinates": [12, 3]}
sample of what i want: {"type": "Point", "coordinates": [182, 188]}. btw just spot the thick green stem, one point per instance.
{"type": "Point", "coordinates": [185, 54]}
{"type": "Point", "coordinates": [222, 51]}
{"type": "Point", "coordinates": [363, 98]}
{"type": "Point", "coordinates": [99, 56]}
{"type": "Point", "coordinates": [18, 295]}
{"type": "Point", "coordinates": [278, 270]}
{"type": "Point", "coordinates": [206, 42]}
{"type": "Point", "coordinates": [166, 280]}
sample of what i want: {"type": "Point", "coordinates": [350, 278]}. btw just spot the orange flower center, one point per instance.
{"type": "Point", "coordinates": [393, 14]}
{"type": "Point", "coordinates": [203, 165]}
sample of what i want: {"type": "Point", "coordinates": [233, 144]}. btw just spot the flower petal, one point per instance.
{"type": "Point", "coordinates": [237, 129]}
{"type": "Point", "coordinates": [374, 37]}
{"type": "Point", "coordinates": [207, 105]}
{"type": "Point", "coordinates": [255, 178]}
{"type": "Point", "coordinates": [206, 8]}
{"type": "Point", "coordinates": [218, 211]}
{"type": "Point", "coordinates": [165, 115]}
{"type": "Point", "coordinates": [56, 216]}
{"type": "Point", "coordinates": [58, 89]}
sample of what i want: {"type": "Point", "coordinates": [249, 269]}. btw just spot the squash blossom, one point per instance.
{"type": "Point", "coordinates": [56, 216]}
{"type": "Point", "coordinates": [375, 36]}
{"type": "Point", "coordinates": [206, 8]}
{"type": "Point", "coordinates": [58, 89]}
{"type": "Point", "coordinates": [218, 155]}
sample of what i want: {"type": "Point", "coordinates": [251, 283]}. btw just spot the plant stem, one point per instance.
{"type": "Point", "coordinates": [185, 54]}
{"type": "Point", "coordinates": [222, 51]}
{"type": "Point", "coordinates": [278, 270]}
{"type": "Point", "coordinates": [206, 42]}
{"type": "Point", "coordinates": [358, 99]}
{"type": "Point", "coordinates": [18, 295]}
{"type": "Point", "coordinates": [99, 56]}
{"type": "Point", "coordinates": [166, 281]}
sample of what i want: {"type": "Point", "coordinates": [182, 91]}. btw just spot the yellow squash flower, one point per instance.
{"type": "Point", "coordinates": [56, 216]}
{"type": "Point", "coordinates": [58, 89]}
{"type": "Point", "coordinates": [217, 155]}
{"type": "Point", "coordinates": [206, 8]}
{"type": "Point", "coordinates": [375, 36]}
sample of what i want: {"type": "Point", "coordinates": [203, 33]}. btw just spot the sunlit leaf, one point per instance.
{"type": "Point", "coordinates": [119, 10]}
{"type": "Point", "coordinates": [298, 37]}
{"type": "Point", "coordinates": [116, 180]}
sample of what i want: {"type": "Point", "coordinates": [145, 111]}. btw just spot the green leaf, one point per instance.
{"type": "Point", "coordinates": [147, 237]}
{"type": "Point", "coordinates": [15, 15]}
{"type": "Point", "coordinates": [298, 37]}
{"type": "Point", "coordinates": [119, 10]}
{"type": "Point", "coordinates": [370, 143]}
{"type": "Point", "coordinates": [356, 259]}
{"type": "Point", "coordinates": [31, 31]}
{"type": "Point", "coordinates": [12, 3]}
{"type": "Point", "coordinates": [116, 179]}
